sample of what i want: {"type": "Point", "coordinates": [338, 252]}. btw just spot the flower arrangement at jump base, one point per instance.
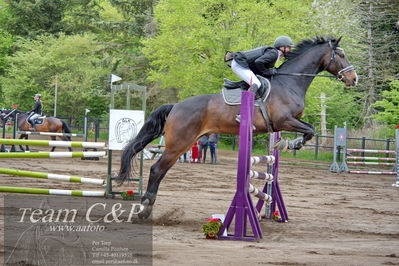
{"type": "Point", "coordinates": [275, 215]}
{"type": "Point", "coordinates": [212, 228]}
{"type": "Point", "coordinates": [128, 195]}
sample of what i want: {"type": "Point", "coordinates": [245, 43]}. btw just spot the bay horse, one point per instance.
{"type": "Point", "coordinates": [50, 124]}
{"type": "Point", "coordinates": [184, 122]}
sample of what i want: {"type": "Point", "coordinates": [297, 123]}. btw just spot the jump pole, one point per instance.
{"type": "Point", "coordinates": [242, 207]}
{"type": "Point", "coordinates": [50, 134]}
{"type": "Point", "coordinates": [67, 178]}
{"type": "Point", "coordinates": [79, 193]}
{"type": "Point", "coordinates": [51, 154]}
{"type": "Point", "coordinates": [72, 144]}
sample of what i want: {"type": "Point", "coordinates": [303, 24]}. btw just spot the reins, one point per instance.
{"type": "Point", "coordinates": [306, 75]}
{"type": "Point", "coordinates": [332, 58]}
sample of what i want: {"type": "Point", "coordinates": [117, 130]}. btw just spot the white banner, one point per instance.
{"type": "Point", "coordinates": [124, 125]}
{"type": "Point", "coordinates": [115, 78]}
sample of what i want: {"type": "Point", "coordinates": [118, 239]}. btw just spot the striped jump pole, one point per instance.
{"type": "Point", "coordinates": [259, 194]}
{"type": "Point", "coordinates": [370, 158]}
{"type": "Point", "coordinates": [72, 144]}
{"type": "Point", "coordinates": [370, 163]}
{"type": "Point", "coordinates": [67, 178]}
{"type": "Point", "coordinates": [371, 151]}
{"type": "Point", "coordinates": [52, 154]}
{"type": "Point", "coordinates": [269, 159]}
{"type": "Point", "coordinates": [50, 134]}
{"type": "Point", "coordinates": [371, 172]}
{"type": "Point", "coordinates": [79, 193]}
{"type": "Point", "coordinates": [261, 175]}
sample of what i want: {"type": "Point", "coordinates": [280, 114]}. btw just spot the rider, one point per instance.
{"type": "Point", "coordinates": [260, 61]}
{"type": "Point", "coordinates": [36, 111]}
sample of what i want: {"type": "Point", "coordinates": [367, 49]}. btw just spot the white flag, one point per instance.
{"type": "Point", "coordinates": [115, 78]}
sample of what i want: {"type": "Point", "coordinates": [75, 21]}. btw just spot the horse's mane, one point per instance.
{"type": "Point", "coordinates": [304, 46]}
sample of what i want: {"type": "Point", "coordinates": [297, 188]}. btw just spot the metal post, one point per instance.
{"type": "Point", "coordinates": [397, 157]}
{"type": "Point", "coordinates": [85, 124]}
{"type": "Point", "coordinates": [128, 97]}
{"type": "Point", "coordinates": [55, 97]}
{"type": "Point", "coordinates": [295, 137]}
{"type": "Point", "coordinates": [363, 145]}
{"type": "Point", "coordinates": [2, 149]}
{"type": "Point", "coordinates": [316, 147]}
{"type": "Point", "coordinates": [14, 133]}
{"type": "Point", "coordinates": [108, 190]}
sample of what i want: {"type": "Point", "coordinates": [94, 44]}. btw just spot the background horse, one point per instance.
{"type": "Point", "coordinates": [50, 124]}
{"type": "Point", "coordinates": [183, 123]}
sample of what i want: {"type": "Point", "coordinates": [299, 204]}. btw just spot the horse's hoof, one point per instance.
{"type": "Point", "coordinates": [146, 212]}
{"type": "Point", "coordinates": [281, 145]}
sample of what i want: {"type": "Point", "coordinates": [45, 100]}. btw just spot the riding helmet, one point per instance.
{"type": "Point", "coordinates": [283, 41]}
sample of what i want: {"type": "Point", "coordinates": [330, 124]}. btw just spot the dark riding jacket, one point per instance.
{"type": "Point", "coordinates": [260, 60]}
{"type": "Point", "coordinates": [37, 108]}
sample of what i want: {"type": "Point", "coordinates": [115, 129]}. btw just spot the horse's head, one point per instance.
{"type": "Point", "coordinates": [5, 114]}
{"type": "Point", "coordinates": [337, 64]}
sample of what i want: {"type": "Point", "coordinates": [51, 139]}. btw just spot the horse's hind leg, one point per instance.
{"type": "Point", "coordinates": [53, 138]}
{"type": "Point", "coordinates": [66, 138]}
{"type": "Point", "coordinates": [20, 146]}
{"type": "Point", "coordinates": [159, 170]}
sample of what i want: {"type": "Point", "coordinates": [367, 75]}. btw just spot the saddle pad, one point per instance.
{"type": "Point", "coordinates": [233, 96]}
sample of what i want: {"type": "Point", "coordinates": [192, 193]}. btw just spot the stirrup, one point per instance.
{"type": "Point", "coordinates": [238, 119]}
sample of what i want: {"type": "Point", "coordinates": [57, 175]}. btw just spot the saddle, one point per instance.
{"type": "Point", "coordinates": [38, 121]}
{"type": "Point", "coordinates": [232, 96]}
{"type": "Point", "coordinates": [232, 91]}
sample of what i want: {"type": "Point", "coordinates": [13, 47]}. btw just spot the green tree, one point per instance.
{"type": "Point", "coordinates": [69, 62]}
{"type": "Point", "coordinates": [35, 17]}
{"type": "Point", "coordinates": [193, 36]}
{"type": "Point", "coordinates": [388, 106]}
{"type": "Point", "coordinates": [341, 104]}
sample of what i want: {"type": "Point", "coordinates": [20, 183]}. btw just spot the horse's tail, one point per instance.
{"type": "Point", "coordinates": [66, 129]}
{"type": "Point", "coordinates": [152, 129]}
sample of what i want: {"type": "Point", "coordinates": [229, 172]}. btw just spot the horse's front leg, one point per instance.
{"type": "Point", "coordinates": [300, 126]}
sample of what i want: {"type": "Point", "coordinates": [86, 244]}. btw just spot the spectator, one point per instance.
{"type": "Point", "coordinates": [203, 146]}
{"type": "Point", "coordinates": [212, 142]}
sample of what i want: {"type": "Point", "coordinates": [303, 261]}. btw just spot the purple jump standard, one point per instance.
{"type": "Point", "coordinates": [242, 208]}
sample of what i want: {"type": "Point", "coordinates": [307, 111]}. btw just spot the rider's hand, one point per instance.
{"type": "Point", "coordinates": [269, 72]}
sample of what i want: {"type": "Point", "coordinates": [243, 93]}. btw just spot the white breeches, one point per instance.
{"type": "Point", "coordinates": [244, 73]}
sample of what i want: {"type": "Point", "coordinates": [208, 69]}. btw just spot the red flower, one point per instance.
{"type": "Point", "coordinates": [14, 106]}
{"type": "Point", "coordinates": [397, 126]}
{"type": "Point", "coordinates": [130, 192]}
{"type": "Point", "coordinates": [214, 219]}
{"type": "Point", "coordinates": [275, 213]}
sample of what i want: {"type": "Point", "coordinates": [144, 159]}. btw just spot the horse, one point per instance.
{"type": "Point", "coordinates": [50, 124]}
{"type": "Point", "coordinates": [184, 122]}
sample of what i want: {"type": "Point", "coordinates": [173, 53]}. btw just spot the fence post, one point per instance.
{"type": "Point", "coordinates": [97, 129]}
{"type": "Point", "coordinates": [363, 145]}
{"type": "Point", "coordinates": [316, 147]}
{"type": "Point", "coordinates": [295, 137]}
{"type": "Point", "coordinates": [387, 147]}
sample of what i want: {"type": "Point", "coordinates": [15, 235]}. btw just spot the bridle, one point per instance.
{"type": "Point", "coordinates": [333, 56]}
{"type": "Point", "coordinates": [5, 116]}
